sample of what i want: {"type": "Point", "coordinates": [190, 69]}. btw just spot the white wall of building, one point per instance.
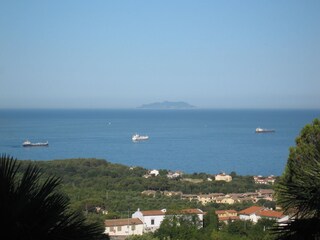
{"type": "Point", "coordinates": [126, 230]}
{"type": "Point", "coordinates": [252, 217]}
{"type": "Point", "coordinates": [152, 223]}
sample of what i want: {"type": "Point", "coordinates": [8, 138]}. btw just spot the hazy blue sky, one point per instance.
{"type": "Point", "coordinates": [121, 54]}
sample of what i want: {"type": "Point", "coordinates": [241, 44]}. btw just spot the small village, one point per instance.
{"type": "Point", "coordinates": [220, 198]}
{"type": "Point", "coordinates": [148, 221]}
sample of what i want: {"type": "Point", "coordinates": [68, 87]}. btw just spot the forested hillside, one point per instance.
{"type": "Point", "coordinates": [117, 188]}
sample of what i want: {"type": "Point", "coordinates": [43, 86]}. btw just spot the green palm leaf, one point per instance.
{"type": "Point", "coordinates": [37, 210]}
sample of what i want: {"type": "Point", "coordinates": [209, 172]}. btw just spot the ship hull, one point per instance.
{"type": "Point", "coordinates": [265, 131]}
{"type": "Point", "coordinates": [35, 145]}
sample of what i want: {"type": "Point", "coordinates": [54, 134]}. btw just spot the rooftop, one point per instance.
{"type": "Point", "coordinates": [153, 212]}
{"type": "Point", "coordinates": [122, 222]}
{"type": "Point", "coordinates": [251, 210]}
{"type": "Point", "coordinates": [225, 211]}
{"type": "Point", "coordinates": [270, 213]}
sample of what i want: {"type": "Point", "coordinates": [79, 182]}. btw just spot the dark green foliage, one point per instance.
{"type": "Point", "coordinates": [210, 221]}
{"type": "Point", "coordinates": [238, 227]}
{"type": "Point", "coordinates": [210, 224]}
{"type": "Point", "coordinates": [102, 175]}
{"type": "Point", "coordinates": [34, 210]}
{"type": "Point", "coordinates": [298, 191]}
{"type": "Point", "coordinates": [178, 227]}
{"type": "Point", "coordinates": [221, 235]}
{"type": "Point", "coordinates": [117, 188]}
{"type": "Point", "coordinates": [261, 230]}
{"type": "Point", "coordinates": [146, 236]}
{"type": "Point", "coordinates": [267, 204]}
{"type": "Point", "coordinates": [246, 230]}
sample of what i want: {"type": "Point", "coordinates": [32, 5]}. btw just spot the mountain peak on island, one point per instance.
{"type": "Point", "coordinates": [167, 105]}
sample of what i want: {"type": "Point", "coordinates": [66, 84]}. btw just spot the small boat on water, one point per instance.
{"type": "Point", "coordinates": [137, 137]}
{"type": "Point", "coordinates": [262, 130]}
{"type": "Point", "coordinates": [27, 143]}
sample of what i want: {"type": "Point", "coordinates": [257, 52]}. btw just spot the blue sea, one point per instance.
{"type": "Point", "coordinates": [209, 141]}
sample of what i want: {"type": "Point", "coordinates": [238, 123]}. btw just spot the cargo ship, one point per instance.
{"type": "Point", "coordinates": [27, 143]}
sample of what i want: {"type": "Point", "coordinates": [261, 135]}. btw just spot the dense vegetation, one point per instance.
{"type": "Point", "coordinates": [92, 183]}
{"type": "Point", "coordinates": [117, 188]}
{"type": "Point", "coordinates": [298, 190]}
{"type": "Point", "coordinates": [178, 228]}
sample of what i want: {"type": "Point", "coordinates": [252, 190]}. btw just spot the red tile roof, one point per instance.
{"type": "Point", "coordinates": [270, 213]}
{"type": "Point", "coordinates": [153, 213]}
{"type": "Point", "coordinates": [160, 212]}
{"type": "Point", "coordinates": [261, 211]}
{"type": "Point", "coordinates": [122, 222]}
{"type": "Point", "coordinates": [225, 211]}
{"type": "Point", "coordinates": [251, 210]}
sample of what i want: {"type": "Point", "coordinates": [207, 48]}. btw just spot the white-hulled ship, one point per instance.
{"type": "Point", "coordinates": [27, 143]}
{"type": "Point", "coordinates": [137, 137]}
{"type": "Point", "coordinates": [261, 130]}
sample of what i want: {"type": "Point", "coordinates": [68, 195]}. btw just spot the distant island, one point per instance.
{"type": "Point", "coordinates": [167, 105]}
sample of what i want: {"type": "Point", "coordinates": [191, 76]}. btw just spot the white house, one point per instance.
{"type": "Point", "coordinates": [255, 213]}
{"type": "Point", "coordinates": [273, 215]}
{"type": "Point", "coordinates": [154, 172]}
{"type": "Point", "coordinates": [250, 213]}
{"type": "Point", "coordinates": [123, 227]}
{"type": "Point", "coordinates": [151, 219]}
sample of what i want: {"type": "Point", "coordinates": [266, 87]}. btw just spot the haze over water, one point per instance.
{"type": "Point", "coordinates": [208, 141]}
{"type": "Point", "coordinates": [121, 54]}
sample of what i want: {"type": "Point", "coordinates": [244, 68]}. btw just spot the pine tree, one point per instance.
{"type": "Point", "coordinates": [298, 191]}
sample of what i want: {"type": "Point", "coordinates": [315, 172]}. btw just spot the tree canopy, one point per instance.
{"type": "Point", "coordinates": [298, 191]}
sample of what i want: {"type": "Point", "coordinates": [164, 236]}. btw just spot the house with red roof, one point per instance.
{"type": "Point", "coordinates": [278, 216]}
{"type": "Point", "coordinates": [255, 213]}
{"type": "Point", "coordinates": [152, 219]}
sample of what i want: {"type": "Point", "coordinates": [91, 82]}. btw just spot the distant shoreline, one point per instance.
{"type": "Point", "coordinates": [124, 165]}
{"type": "Point", "coordinates": [138, 109]}
{"type": "Point", "coordinates": [167, 105]}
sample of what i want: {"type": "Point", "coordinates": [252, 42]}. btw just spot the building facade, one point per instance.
{"type": "Point", "coordinates": [152, 219]}
{"type": "Point", "coordinates": [122, 228]}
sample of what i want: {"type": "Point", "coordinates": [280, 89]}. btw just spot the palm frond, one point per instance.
{"type": "Point", "coordinates": [35, 209]}
{"type": "Point", "coordinates": [306, 229]}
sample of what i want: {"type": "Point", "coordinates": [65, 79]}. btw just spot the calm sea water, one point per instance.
{"type": "Point", "coordinates": [208, 141]}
